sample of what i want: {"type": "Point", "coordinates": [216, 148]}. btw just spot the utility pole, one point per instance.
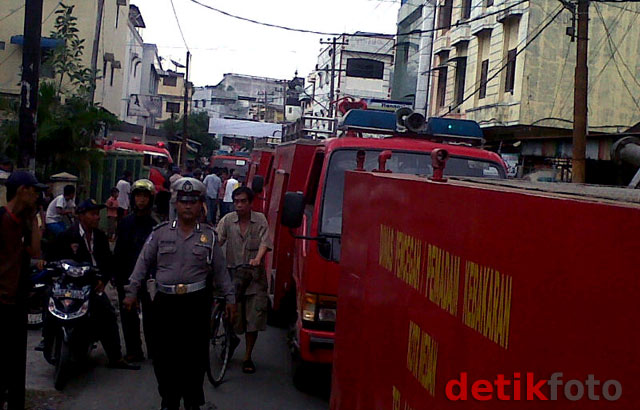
{"type": "Point", "coordinates": [285, 84]}
{"type": "Point", "coordinates": [580, 95]}
{"type": "Point", "coordinates": [333, 44]}
{"type": "Point", "coordinates": [28, 117]}
{"type": "Point", "coordinates": [185, 117]}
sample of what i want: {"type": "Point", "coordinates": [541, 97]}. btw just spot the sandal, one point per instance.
{"type": "Point", "coordinates": [248, 367]}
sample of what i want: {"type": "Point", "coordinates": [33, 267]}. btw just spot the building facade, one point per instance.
{"type": "Point", "coordinates": [102, 24]}
{"type": "Point", "coordinates": [412, 66]}
{"type": "Point", "coordinates": [171, 90]}
{"type": "Point", "coordinates": [483, 72]}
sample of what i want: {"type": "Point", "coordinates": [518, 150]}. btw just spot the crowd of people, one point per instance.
{"type": "Point", "coordinates": [166, 266]}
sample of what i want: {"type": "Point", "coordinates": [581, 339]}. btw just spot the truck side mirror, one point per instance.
{"type": "Point", "coordinates": [257, 184]}
{"type": "Point", "coordinates": [292, 209]}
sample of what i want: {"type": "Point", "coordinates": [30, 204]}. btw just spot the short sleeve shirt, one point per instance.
{"type": "Point", "coordinates": [212, 182]}
{"type": "Point", "coordinates": [229, 187]}
{"type": "Point", "coordinates": [52, 210]}
{"type": "Point", "coordinates": [124, 189]}
{"type": "Point", "coordinates": [242, 248]}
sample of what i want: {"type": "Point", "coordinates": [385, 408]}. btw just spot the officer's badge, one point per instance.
{"type": "Point", "coordinates": [204, 239]}
{"type": "Point", "coordinates": [187, 187]}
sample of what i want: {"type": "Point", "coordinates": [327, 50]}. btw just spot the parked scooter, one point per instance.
{"type": "Point", "coordinates": [69, 337]}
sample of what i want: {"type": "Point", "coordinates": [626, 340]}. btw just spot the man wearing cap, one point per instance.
{"type": "Point", "coordinates": [19, 242]}
{"type": "Point", "coordinates": [187, 261]}
{"type": "Point", "coordinates": [85, 243]}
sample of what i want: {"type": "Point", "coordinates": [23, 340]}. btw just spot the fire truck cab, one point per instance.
{"type": "Point", "coordinates": [307, 254]}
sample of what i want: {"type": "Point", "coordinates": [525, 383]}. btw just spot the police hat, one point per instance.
{"type": "Point", "coordinates": [189, 189]}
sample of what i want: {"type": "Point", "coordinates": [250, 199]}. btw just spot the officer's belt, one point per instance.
{"type": "Point", "coordinates": [181, 288]}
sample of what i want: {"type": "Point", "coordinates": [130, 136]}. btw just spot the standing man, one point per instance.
{"type": "Point", "coordinates": [58, 208]}
{"type": "Point", "coordinates": [247, 234]}
{"type": "Point", "coordinates": [124, 193]}
{"type": "Point", "coordinates": [188, 260]}
{"type": "Point", "coordinates": [85, 243]}
{"type": "Point", "coordinates": [132, 234]}
{"type": "Point", "coordinates": [229, 187]}
{"type": "Point", "coordinates": [212, 182]}
{"type": "Point", "coordinates": [19, 242]}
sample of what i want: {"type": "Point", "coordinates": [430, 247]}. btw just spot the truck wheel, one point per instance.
{"type": "Point", "coordinates": [63, 362]}
{"type": "Point", "coordinates": [284, 316]}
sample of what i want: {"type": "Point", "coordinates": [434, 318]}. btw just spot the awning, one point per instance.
{"type": "Point", "coordinates": [45, 42]}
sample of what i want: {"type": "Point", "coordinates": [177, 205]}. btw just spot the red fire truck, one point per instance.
{"type": "Point", "coordinates": [307, 188]}
{"type": "Point", "coordinates": [261, 161]}
{"type": "Point", "coordinates": [237, 163]}
{"type": "Point", "coordinates": [486, 294]}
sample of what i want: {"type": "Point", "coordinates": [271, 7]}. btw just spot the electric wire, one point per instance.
{"type": "Point", "coordinates": [613, 53]}
{"type": "Point", "coordinates": [179, 26]}
{"type": "Point", "coordinates": [12, 13]}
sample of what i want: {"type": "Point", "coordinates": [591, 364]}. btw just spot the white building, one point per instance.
{"type": "Point", "coordinates": [363, 66]}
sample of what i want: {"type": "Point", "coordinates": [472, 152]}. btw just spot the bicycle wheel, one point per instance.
{"type": "Point", "coordinates": [219, 344]}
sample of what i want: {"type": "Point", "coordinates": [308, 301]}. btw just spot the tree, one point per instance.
{"type": "Point", "coordinates": [197, 129]}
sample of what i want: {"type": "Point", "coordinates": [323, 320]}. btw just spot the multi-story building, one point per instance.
{"type": "Point", "coordinates": [141, 103]}
{"type": "Point", "coordinates": [508, 66]}
{"type": "Point", "coordinates": [102, 24]}
{"type": "Point", "coordinates": [412, 66]}
{"type": "Point", "coordinates": [171, 90]}
{"type": "Point", "coordinates": [250, 97]}
{"type": "Point", "coordinates": [363, 66]}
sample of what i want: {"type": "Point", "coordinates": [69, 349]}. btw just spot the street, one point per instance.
{"type": "Point", "coordinates": [98, 388]}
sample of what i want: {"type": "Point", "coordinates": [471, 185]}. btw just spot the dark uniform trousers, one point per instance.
{"type": "Point", "coordinates": [13, 355]}
{"type": "Point", "coordinates": [181, 336]}
{"type": "Point", "coordinates": [131, 323]}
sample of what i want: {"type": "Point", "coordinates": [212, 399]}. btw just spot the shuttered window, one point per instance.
{"type": "Point", "coordinates": [484, 71]}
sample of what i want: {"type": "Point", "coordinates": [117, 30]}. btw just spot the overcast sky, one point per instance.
{"type": "Point", "coordinates": [221, 44]}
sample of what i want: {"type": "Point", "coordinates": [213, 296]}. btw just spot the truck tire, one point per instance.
{"type": "Point", "coordinates": [63, 363]}
{"type": "Point", "coordinates": [284, 316]}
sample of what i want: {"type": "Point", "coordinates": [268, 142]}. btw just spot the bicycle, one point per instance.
{"type": "Point", "coordinates": [220, 339]}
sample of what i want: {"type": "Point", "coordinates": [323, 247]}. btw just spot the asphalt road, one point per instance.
{"type": "Point", "coordinates": [98, 388]}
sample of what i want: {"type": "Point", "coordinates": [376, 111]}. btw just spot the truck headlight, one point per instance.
{"type": "Point", "coordinates": [309, 307]}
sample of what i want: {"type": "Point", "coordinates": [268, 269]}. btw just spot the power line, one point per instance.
{"type": "Point", "coordinates": [12, 12]}
{"type": "Point", "coordinates": [560, 9]}
{"type": "Point", "coordinates": [613, 53]}
{"type": "Point", "coordinates": [179, 27]}
{"type": "Point", "coordinates": [323, 33]}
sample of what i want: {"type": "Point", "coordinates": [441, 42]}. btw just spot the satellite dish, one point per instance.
{"type": "Point", "coordinates": [177, 64]}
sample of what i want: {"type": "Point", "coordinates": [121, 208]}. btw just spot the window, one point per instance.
{"type": "Point", "coordinates": [442, 86]}
{"type": "Point", "coordinates": [113, 69]}
{"type": "Point", "coordinates": [489, 3]}
{"type": "Point", "coordinates": [444, 19]}
{"type": "Point", "coordinates": [170, 81]}
{"type": "Point", "coordinates": [204, 103]}
{"type": "Point", "coordinates": [196, 103]}
{"type": "Point", "coordinates": [104, 69]}
{"type": "Point", "coordinates": [173, 107]}
{"type": "Point", "coordinates": [415, 163]}
{"type": "Point", "coordinates": [511, 71]}
{"type": "Point", "coordinates": [365, 68]}
{"type": "Point", "coordinates": [2, 45]}
{"type": "Point", "coordinates": [484, 71]}
{"type": "Point", "coordinates": [466, 9]}
{"type": "Point", "coordinates": [135, 69]}
{"type": "Point", "coordinates": [461, 72]}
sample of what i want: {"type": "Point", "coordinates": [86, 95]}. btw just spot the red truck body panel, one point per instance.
{"type": "Point", "coordinates": [288, 172]}
{"type": "Point", "coordinates": [440, 279]}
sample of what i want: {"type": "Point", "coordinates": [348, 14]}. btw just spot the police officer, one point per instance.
{"type": "Point", "coordinates": [186, 256]}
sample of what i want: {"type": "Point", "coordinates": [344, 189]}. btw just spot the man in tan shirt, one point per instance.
{"type": "Point", "coordinates": [246, 234]}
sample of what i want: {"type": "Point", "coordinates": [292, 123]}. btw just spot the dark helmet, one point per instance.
{"type": "Point", "coordinates": [143, 185]}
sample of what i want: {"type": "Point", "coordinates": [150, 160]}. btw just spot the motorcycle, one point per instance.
{"type": "Point", "coordinates": [69, 338]}
{"type": "Point", "coordinates": [37, 298]}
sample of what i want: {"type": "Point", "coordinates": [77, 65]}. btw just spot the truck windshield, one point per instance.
{"type": "Point", "coordinates": [416, 163]}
